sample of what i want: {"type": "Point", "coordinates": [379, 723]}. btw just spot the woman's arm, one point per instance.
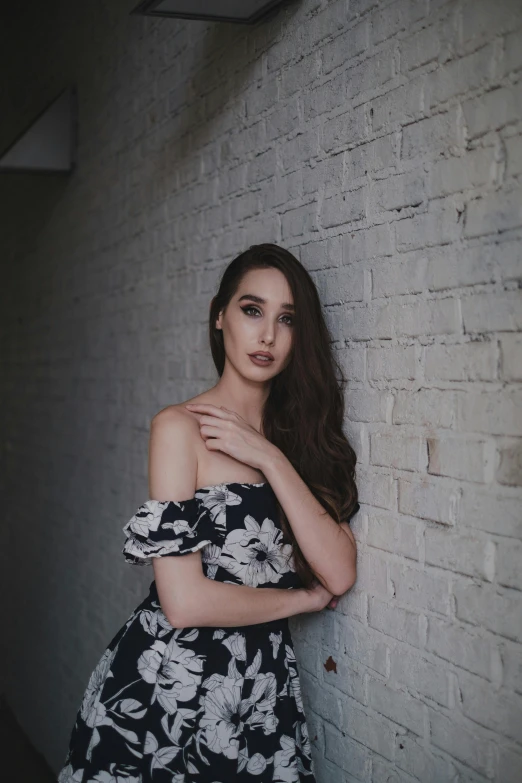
{"type": "Point", "coordinates": [187, 596]}
{"type": "Point", "coordinates": [329, 548]}
{"type": "Point", "coordinates": [206, 602]}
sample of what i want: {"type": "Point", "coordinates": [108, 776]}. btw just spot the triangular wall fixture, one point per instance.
{"type": "Point", "coordinates": [49, 144]}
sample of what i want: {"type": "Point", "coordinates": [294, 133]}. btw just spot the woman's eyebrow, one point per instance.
{"type": "Point", "coordinates": [260, 300]}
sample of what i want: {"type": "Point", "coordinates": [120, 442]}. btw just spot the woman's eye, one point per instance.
{"type": "Point", "coordinates": [251, 307]}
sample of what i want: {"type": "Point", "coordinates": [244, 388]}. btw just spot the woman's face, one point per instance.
{"type": "Point", "coordinates": [259, 317]}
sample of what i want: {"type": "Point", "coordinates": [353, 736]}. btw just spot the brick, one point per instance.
{"type": "Point", "coordinates": [435, 502]}
{"type": "Point", "coordinates": [493, 213]}
{"type": "Point", "coordinates": [464, 744]}
{"type": "Point", "coordinates": [471, 361]}
{"type": "Point", "coordinates": [345, 284]}
{"type": "Point", "coordinates": [397, 192]}
{"type": "Point", "coordinates": [372, 156]}
{"type": "Point", "coordinates": [399, 536]}
{"type": "Point", "coordinates": [372, 577]}
{"type": "Point", "coordinates": [377, 736]}
{"type": "Point", "coordinates": [394, 278]}
{"type": "Point", "coordinates": [346, 46]}
{"type": "Point", "coordinates": [261, 167]}
{"type": "Point", "coordinates": [461, 458]}
{"type": "Point", "coordinates": [419, 588]}
{"type": "Point", "coordinates": [509, 470]}
{"type": "Point", "coordinates": [298, 221]}
{"type": "Point", "coordinates": [296, 74]}
{"type": "Point", "coordinates": [462, 554]}
{"type": "Point", "coordinates": [439, 227]}
{"type": "Point", "coordinates": [496, 413]}
{"type": "Point", "coordinates": [367, 243]}
{"type": "Point", "coordinates": [469, 650]}
{"type": "Point", "coordinates": [511, 655]}
{"type": "Point", "coordinates": [490, 511]}
{"type": "Point", "coordinates": [283, 120]}
{"type": "Point", "coordinates": [509, 764]}
{"type": "Point", "coordinates": [513, 155]}
{"type": "Point", "coordinates": [420, 675]}
{"type": "Point", "coordinates": [456, 174]}
{"type": "Point", "coordinates": [350, 756]}
{"type": "Point", "coordinates": [393, 621]}
{"type": "Point", "coordinates": [365, 646]}
{"type": "Point", "coordinates": [419, 761]}
{"type": "Point", "coordinates": [295, 151]}
{"type": "Point", "coordinates": [509, 558]}
{"type": "Point", "coordinates": [392, 363]}
{"type": "Point", "coordinates": [348, 676]}
{"type": "Point", "coordinates": [459, 76]}
{"type": "Point", "coordinates": [397, 450]}
{"type": "Point", "coordinates": [366, 406]}
{"type": "Point", "coordinates": [399, 16]}
{"type": "Point", "coordinates": [382, 492]}
{"type": "Point", "coordinates": [427, 407]}
{"type": "Point", "coordinates": [497, 609]}
{"type": "Point", "coordinates": [430, 136]}
{"type": "Point", "coordinates": [397, 705]}
{"type": "Point", "coordinates": [492, 312]}
{"type": "Point", "coordinates": [512, 52]}
{"type": "Point", "coordinates": [419, 49]}
{"type": "Point", "coordinates": [398, 107]}
{"type": "Point", "coordinates": [352, 360]}
{"type": "Point", "coordinates": [345, 209]}
{"type": "Point", "coordinates": [484, 263]}
{"type": "Point", "coordinates": [344, 130]}
{"type": "Point", "coordinates": [480, 20]}
{"type": "Point", "coordinates": [492, 110]}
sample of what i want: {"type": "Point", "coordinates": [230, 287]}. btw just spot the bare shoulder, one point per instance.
{"type": "Point", "coordinates": [174, 417]}
{"type": "Point", "coordinates": [173, 454]}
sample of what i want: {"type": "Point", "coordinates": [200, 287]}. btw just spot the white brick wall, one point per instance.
{"type": "Point", "coordinates": [382, 143]}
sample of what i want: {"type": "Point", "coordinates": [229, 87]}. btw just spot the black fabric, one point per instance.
{"type": "Point", "coordinates": [207, 704]}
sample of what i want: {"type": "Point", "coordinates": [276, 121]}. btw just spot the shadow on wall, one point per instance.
{"type": "Point", "coordinates": [20, 761]}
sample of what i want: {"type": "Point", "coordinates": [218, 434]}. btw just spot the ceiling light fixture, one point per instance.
{"type": "Point", "coordinates": [240, 11]}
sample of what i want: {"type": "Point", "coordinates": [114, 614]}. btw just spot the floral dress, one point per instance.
{"type": "Point", "coordinates": [207, 704]}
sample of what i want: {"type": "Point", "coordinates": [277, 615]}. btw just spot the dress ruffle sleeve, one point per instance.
{"type": "Point", "coordinates": [166, 527]}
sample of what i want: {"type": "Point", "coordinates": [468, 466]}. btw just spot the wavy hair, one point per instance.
{"type": "Point", "coordinates": [303, 414]}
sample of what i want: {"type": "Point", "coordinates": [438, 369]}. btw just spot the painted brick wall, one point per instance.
{"type": "Point", "coordinates": [381, 143]}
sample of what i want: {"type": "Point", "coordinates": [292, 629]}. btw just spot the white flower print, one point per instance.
{"type": "Point", "coordinates": [67, 775]}
{"type": "Point", "coordinates": [263, 699]}
{"type": "Point", "coordinates": [236, 643]}
{"type": "Point", "coordinates": [276, 639]}
{"type": "Point", "coordinates": [255, 553]}
{"type": "Point", "coordinates": [256, 764]}
{"type": "Point", "coordinates": [285, 768]}
{"type": "Point", "coordinates": [114, 776]}
{"type": "Point", "coordinates": [147, 518]}
{"type": "Point", "coordinates": [216, 500]}
{"type": "Point", "coordinates": [175, 672]}
{"type": "Point", "coordinates": [223, 717]}
{"type": "Point", "coordinates": [178, 704]}
{"type": "Point", "coordinates": [302, 738]}
{"type": "Point", "coordinates": [92, 710]}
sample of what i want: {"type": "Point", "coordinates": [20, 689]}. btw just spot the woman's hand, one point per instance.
{"type": "Point", "coordinates": [320, 597]}
{"type": "Point", "coordinates": [224, 430]}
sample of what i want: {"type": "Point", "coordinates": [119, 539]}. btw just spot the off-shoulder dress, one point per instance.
{"type": "Point", "coordinates": [207, 704]}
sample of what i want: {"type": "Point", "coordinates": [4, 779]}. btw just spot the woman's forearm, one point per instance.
{"type": "Point", "coordinates": [219, 604]}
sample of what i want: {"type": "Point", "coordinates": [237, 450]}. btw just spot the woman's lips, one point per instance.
{"type": "Point", "coordinates": [260, 362]}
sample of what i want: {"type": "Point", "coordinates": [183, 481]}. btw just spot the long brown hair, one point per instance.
{"type": "Point", "coordinates": [303, 414]}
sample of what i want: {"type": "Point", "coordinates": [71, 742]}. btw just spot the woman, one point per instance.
{"type": "Point", "coordinates": [251, 486]}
